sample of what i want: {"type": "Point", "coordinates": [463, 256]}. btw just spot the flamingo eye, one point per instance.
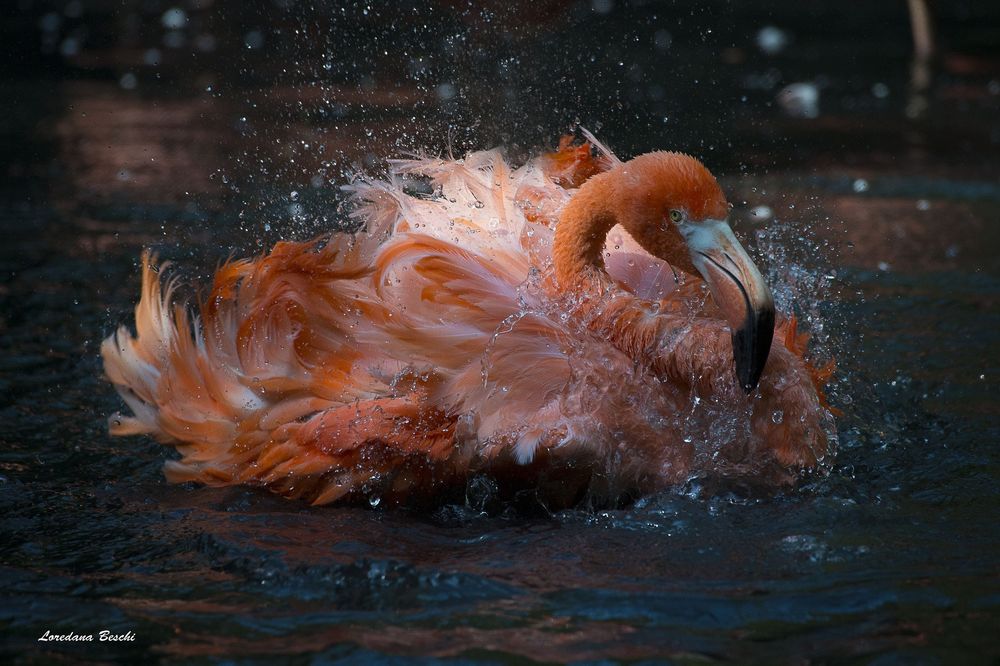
{"type": "Point", "coordinates": [675, 216]}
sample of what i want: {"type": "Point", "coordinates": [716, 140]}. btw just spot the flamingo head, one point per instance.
{"type": "Point", "coordinates": [673, 206]}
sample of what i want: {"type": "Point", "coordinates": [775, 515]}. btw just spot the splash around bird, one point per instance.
{"type": "Point", "coordinates": [579, 327]}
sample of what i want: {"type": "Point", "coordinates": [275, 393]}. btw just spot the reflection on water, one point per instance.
{"type": "Point", "coordinates": [893, 554]}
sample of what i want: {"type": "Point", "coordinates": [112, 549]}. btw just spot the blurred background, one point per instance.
{"type": "Point", "coordinates": [860, 144]}
{"type": "Point", "coordinates": [218, 103]}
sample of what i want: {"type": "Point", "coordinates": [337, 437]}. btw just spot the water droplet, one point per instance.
{"type": "Point", "coordinates": [174, 18]}
{"type": "Point", "coordinates": [445, 91]}
{"type": "Point", "coordinates": [602, 6]}
{"type": "Point", "coordinates": [771, 39]}
{"type": "Point", "coordinates": [777, 416]}
{"type": "Point", "coordinates": [253, 39]}
{"type": "Point", "coordinates": [662, 40]}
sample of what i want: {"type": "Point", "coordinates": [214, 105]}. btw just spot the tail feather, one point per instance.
{"type": "Point", "coordinates": [260, 389]}
{"type": "Point", "coordinates": [133, 363]}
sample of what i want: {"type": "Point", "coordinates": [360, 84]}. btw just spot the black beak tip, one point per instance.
{"type": "Point", "coordinates": [751, 347]}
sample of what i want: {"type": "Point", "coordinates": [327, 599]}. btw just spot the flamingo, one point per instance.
{"type": "Point", "coordinates": [579, 327]}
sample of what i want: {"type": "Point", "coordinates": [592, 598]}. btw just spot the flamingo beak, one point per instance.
{"type": "Point", "coordinates": [740, 292]}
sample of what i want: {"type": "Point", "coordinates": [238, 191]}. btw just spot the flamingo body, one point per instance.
{"type": "Point", "coordinates": [444, 342]}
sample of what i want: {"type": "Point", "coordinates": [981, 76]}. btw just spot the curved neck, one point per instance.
{"type": "Point", "coordinates": [578, 243]}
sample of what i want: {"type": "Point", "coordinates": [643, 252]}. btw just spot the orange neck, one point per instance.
{"type": "Point", "coordinates": [639, 195]}
{"type": "Point", "coordinates": [582, 229]}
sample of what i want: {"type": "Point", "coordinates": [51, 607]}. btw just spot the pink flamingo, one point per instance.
{"type": "Point", "coordinates": [547, 326]}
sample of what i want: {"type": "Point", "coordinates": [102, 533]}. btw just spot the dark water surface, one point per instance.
{"type": "Point", "coordinates": [885, 230]}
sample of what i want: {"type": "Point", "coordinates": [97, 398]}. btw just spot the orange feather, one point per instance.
{"type": "Point", "coordinates": [542, 325]}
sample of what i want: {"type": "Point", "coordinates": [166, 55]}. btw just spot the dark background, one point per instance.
{"type": "Point", "coordinates": [239, 85]}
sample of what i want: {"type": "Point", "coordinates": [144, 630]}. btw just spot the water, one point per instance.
{"type": "Point", "coordinates": [891, 558]}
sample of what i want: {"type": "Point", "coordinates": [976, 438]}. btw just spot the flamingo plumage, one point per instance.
{"type": "Point", "coordinates": [547, 326]}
